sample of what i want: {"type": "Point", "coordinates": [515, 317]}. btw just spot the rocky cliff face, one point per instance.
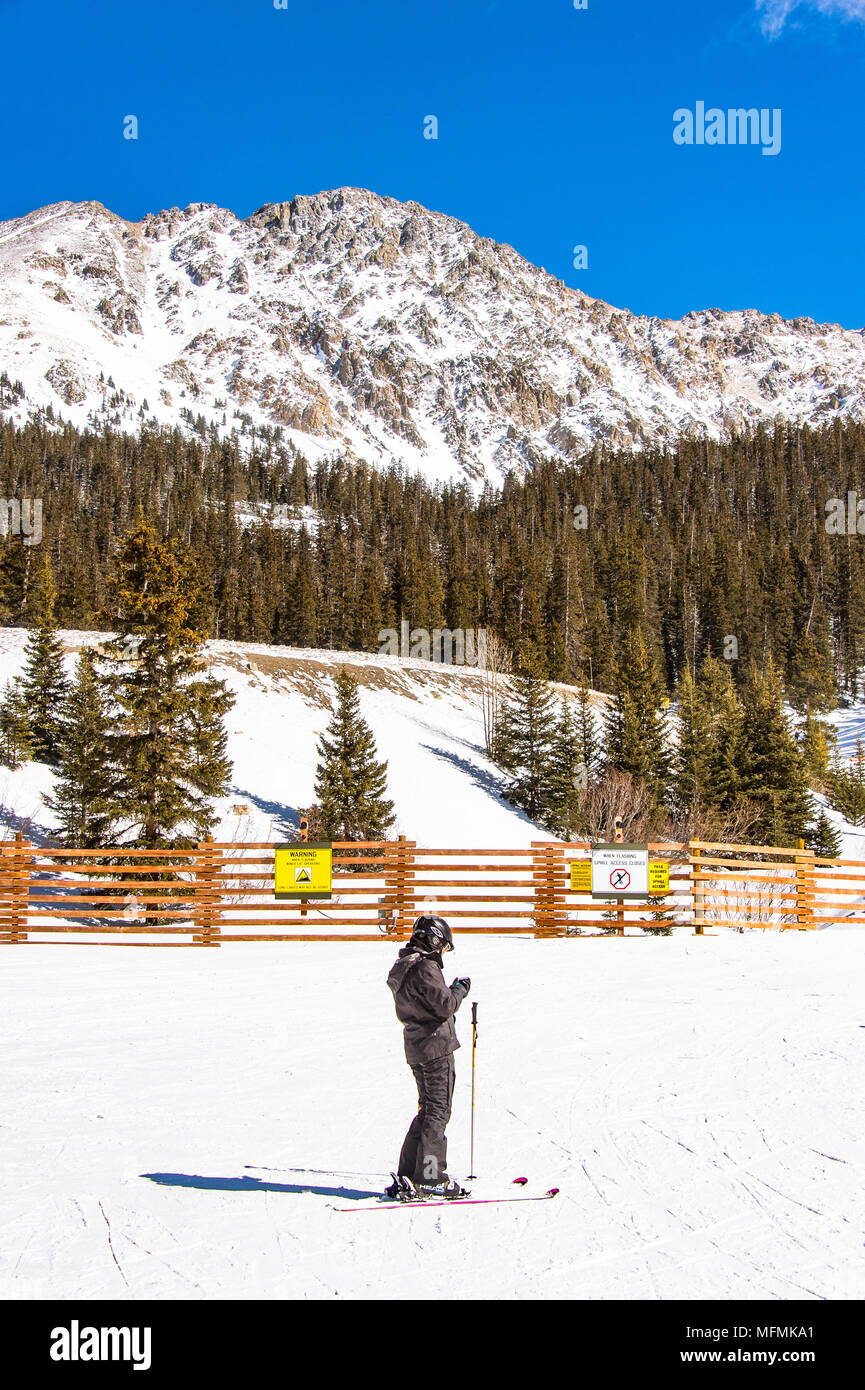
{"type": "Point", "coordinates": [376, 328]}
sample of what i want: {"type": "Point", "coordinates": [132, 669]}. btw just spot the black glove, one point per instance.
{"type": "Point", "coordinates": [464, 984]}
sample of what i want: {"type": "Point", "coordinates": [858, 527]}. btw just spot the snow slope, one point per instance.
{"type": "Point", "coordinates": [181, 1124]}
{"type": "Point", "coordinates": [426, 720]}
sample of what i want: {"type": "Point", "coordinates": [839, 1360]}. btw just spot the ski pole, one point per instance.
{"type": "Point", "coordinates": [473, 1174]}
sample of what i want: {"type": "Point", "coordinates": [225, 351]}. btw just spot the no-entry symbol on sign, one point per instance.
{"type": "Point", "coordinates": [620, 871]}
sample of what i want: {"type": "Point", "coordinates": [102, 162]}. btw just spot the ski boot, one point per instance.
{"type": "Point", "coordinates": [400, 1190]}
{"type": "Point", "coordinates": [444, 1190]}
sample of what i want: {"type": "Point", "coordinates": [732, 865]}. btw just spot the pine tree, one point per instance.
{"type": "Point", "coordinates": [166, 747]}
{"type": "Point", "coordinates": [350, 782]}
{"type": "Point", "coordinates": [846, 787]}
{"type": "Point", "coordinates": [721, 700]}
{"type": "Point", "coordinates": [590, 745]}
{"type": "Point", "coordinates": [817, 740]}
{"type": "Point", "coordinates": [304, 596]}
{"type": "Point", "coordinates": [16, 743]}
{"type": "Point", "coordinates": [524, 747]}
{"type": "Point", "coordinates": [811, 683]}
{"type": "Point", "coordinates": [84, 801]}
{"type": "Point", "coordinates": [367, 622]}
{"type": "Point", "coordinates": [44, 680]}
{"type": "Point", "coordinates": [824, 839]}
{"type": "Point", "coordinates": [567, 779]}
{"type": "Point", "coordinates": [693, 756]}
{"type": "Point", "coordinates": [636, 726]}
{"type": "Point", "coordinates": [772, 768]}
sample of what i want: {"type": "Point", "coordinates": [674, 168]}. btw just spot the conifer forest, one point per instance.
{"type": "Point", "coordinates": [716, 577]}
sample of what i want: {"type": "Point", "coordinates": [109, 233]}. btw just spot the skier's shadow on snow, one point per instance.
{"type": "Point", "coordinates": [251, 1185]}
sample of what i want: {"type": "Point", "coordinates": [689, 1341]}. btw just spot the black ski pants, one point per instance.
{"type": "Point", "coordinates": [425, 1147]}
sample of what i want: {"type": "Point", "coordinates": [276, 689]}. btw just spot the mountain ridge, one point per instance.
{"type": "Point", "coordinates": [361, 325]}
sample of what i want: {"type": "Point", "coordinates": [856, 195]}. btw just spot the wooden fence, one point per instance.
{"type": "Point", "coordinates": [225, 892]}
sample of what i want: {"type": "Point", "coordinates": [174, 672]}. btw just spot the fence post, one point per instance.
{"type": "Point", "coordinates": [206, 909]}
{"type": "Point", "coordinates": [19, 885]}
{"type": "Point", "coordinates": [805, 888]}
{"type": "Point", "coordinates": [399, 884]}
{"type": "Point", "coordinates": [7, 893]}
{"type": "Point", "coordinates": [547, 886]}
{"type": "Point", "coordinates": [697, 885]}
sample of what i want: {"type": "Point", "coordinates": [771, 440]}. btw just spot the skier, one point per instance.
{"type": "Point", "coordinates": [425, 1007]}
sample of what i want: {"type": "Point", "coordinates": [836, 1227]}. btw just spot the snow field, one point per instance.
{"type": "Point", "coordinates": [426, 720]}
{"type": "Point", "coordinates": [698, 1101]}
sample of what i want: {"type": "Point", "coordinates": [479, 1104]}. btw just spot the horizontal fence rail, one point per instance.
{"type": "Point", "coordinates": [224, 892]}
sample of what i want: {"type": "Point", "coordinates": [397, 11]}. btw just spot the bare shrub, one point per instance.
{"type": "Point", "coordinates": [701, 822]}
{"type": "Point", "coordinates": [617, 796]}
{"type": "Point", "coordinates": [497, 667]}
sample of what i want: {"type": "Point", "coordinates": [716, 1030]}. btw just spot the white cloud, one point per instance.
{"type": "Point", "coordinates": [775, 13]}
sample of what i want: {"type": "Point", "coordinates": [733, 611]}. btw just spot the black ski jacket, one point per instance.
{"type": "Point", "coordinates": [425, 1006]}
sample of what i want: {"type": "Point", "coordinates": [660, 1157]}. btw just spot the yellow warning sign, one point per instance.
{"type": "Point", "coordinates": [659, 877]}
{"type": "Point", "coordinates": [303, 871]}
{"type": "Point", "coordinates": [581, 875]}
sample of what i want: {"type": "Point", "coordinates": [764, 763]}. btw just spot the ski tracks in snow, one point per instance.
{"type": "Point", "coordinates": [699, 1105]}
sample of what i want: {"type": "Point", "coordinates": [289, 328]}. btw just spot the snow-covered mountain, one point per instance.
{"type": "Point", "coordinates": [360, 324]}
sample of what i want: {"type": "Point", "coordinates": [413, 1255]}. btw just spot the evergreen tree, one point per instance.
{"type": "Point", "coordinates": [722, 703]}
{"type": "Point", "coordinates": [845, 787]}
{"type": "Point", "coordinates": [772, 768]}
{"type": "Point", "coordinates": [304, 596]}
{"type": "Point", "coordinates": [84, 801]}
{"type": "Point", "coordinates": [590, 745]}
{"type": "Point", "coordinates": [694, 746]}
{"type": "Point", "coordinates": [166, 748]}
{"type": "Point", "coordinates": [367, 618]}
{"type": "Point", "coordinates": [817, 740]}
{"type": "Point", "coordinates": [525, 741]}
{"type": "Point", "coordinates": [350, 782]}
{"type": "Point", "coordinates": [636, 726]}
{"type": "Point", "coordinates": [811, 683]}
{"type": "Point", "coordinates": [44, 682]}
{"type": "Point", "coordinates": [824, 839]}
{"type": "Point", "coordinates": [16, 744]}
{"type": "Point", "coordinates": [567, 779]}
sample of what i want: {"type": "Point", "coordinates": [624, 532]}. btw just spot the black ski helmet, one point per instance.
{"type": "Point", "coordinates": [432, 934]}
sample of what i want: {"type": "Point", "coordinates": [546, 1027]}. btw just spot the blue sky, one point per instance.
{"type": "Point", "coordinates": [555, 128]}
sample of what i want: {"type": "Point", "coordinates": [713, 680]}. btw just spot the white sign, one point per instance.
{"type": "Point", "coordinates": [620, 871]}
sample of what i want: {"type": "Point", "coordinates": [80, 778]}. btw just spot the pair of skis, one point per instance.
{"type": "Point", "coordinates": [413, 1199]}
